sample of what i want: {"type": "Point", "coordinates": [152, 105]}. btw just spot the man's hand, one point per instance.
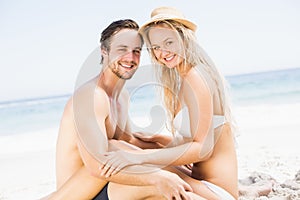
{"type": "Point", "coordinates": [162, 139]}
{"type": "Point", "coordinates": [171, 186]}
{"type": "Point", "coordinates": [117, 160]}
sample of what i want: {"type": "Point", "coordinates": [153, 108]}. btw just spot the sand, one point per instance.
{"type": "Point", "coordinates": [267, 149]}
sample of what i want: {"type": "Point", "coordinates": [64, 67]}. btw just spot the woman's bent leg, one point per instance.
{"type": "Point", "coordinates": [127, 192]}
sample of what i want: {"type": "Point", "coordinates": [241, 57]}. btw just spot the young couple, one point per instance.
{"type": "Point", "coordinates": [98, 155]}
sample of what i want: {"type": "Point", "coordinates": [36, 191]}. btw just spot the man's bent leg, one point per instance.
{"type": "Point", "coordinates": [102, 195]}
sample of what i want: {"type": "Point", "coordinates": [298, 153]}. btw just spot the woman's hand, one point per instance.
{"type": "Point", "coordinates": [117, 160]}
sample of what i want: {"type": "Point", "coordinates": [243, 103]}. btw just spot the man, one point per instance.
{"type": "Point", "coordinates": [96, 114]}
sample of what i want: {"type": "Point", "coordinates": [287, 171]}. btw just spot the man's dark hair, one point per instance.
{"type": "Point", "coordinates": [114, 28]}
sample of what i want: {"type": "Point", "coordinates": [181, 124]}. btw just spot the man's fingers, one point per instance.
{"type": "Point", "coordinates": [177, 196]}
{"type": "Point", "coordinates": [109, 172]}
{"type": "Point", "coordinates": [187, 187]}
{"type": "Point", "coordinates": [181, 195]}
{"type": "Point", "coordinates": [104, 169]}
{"type": "Point", "coordinates": [185, 196]}
{"type": "Point", "coordinates": [117, 169]}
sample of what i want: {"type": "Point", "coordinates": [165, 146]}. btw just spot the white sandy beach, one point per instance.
{"type": "Point", "coordinates": [27, 167]}
{"type": "Point", "coordinates": [268, 144]}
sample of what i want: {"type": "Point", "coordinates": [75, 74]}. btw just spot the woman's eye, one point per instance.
{"type": "Point", "coordinates": [169, 43]}
{"type": "Point", "coordinates": [155, 48]}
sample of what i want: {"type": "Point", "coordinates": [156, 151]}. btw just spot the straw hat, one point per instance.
{"type": "Point", "coordinates": [165, 13]}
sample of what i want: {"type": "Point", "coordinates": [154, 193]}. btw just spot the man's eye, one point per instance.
{"type": "Point", "coordinates": [122, 50]}
{"type": "Point", "coordinates": [138, 52]}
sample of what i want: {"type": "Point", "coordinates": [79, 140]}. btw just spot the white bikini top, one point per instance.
{"type": "Point", "coordinates": [182, 122]}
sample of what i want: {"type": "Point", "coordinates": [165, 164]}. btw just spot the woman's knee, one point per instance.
{"type": "Point", "coordinates": [114, 191]}
{"type": "Point", "coordinates": [126, 192]}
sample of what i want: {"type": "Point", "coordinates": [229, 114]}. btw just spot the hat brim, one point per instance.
{"type": "Point", "coordinates": [190, 25]}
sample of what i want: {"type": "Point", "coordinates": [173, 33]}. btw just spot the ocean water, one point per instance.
{"type": "Point", "coordinates": [271, 87]}
{"type": "Point", "coordinates": [23, 116]}
{"type": "Point", "coordinates": [264, 88]}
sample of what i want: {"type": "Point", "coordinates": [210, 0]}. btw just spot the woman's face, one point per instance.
{"type": "Point", "coordinates": [166, 45]}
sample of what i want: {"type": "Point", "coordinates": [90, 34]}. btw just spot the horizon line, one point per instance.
{"type": "Point", "coordinates": [55, 96]}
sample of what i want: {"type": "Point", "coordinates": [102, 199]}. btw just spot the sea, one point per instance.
{"type": "Point", "coordinates": [264, 88]}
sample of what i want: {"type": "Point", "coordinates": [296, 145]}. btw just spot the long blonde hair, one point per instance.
{"type": "Point", "coordinates": [194, 56]}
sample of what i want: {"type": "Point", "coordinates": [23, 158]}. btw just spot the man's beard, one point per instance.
{"type": "Point", "coordinates": [122, 75]}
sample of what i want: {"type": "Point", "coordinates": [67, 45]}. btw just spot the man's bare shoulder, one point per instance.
{"type": "Point", "coordinates": [90, 91]}
{"type": "Point", "coordinates": [87, 94]}
{"type": "Point", "coordinates": [89, 101]}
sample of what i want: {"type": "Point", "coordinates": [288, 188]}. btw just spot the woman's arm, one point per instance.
{"type": "Point", "coordinates": [167, 183]}
{"type": "Point", "coordinates": [179, 155]}
{"type": "Point", "coordinates": [145, 142]}
{"type": "Point", "coordinates": [198, 99]}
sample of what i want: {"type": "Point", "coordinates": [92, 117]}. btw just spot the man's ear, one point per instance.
{"type": "Point", "coordinates": [104, 52]}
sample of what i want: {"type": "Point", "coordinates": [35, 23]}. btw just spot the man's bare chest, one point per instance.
{"type": "Point", "coordinates": [116, 121]}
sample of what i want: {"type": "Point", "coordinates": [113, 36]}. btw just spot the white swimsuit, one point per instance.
{"type": "Point", "coordinates": [182, 126]}
{"type": "Point", "coordinates": [182, 122]}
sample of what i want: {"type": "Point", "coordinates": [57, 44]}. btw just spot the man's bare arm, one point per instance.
{"type": "Point", "coordinates": [93, 143]}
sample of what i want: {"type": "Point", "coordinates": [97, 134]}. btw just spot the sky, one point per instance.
{"type": "Point", "coordinates": [45, 44]}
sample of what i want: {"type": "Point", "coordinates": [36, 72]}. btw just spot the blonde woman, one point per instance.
{"type": "Point", "coordinates": [196, 101]}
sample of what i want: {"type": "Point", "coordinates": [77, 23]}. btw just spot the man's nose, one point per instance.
{"type": "Point", "coordinates": [131, 56]}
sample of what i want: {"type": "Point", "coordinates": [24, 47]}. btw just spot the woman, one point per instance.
{"type": "Point", "coordinates": [197, 106]}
